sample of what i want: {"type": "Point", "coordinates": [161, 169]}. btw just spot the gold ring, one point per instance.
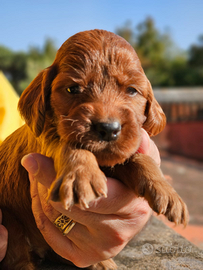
{"type": "Point", "coordinates": [64, 224]}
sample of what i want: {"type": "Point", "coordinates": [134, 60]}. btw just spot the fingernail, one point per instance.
{"type": "Point", "coordinates": [30, 164]}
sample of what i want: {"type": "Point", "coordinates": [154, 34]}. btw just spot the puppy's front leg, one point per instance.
{"type": "Point", "coordinates": [79, 178]}
{"type": "Point", "coordinates": [142, 174]}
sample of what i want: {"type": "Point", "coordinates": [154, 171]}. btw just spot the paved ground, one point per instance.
{"type": "Point", "coordinates": [187, 179]}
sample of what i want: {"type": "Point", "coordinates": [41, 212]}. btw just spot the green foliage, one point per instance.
{"type": "Point", "coordinates": [149, 43]}
{"type": "Point", "coordinates": [21, 68]}
{"type": "Point", "coordinates": [37, 60]}
{"type": "Point", "coordinates": [196, 53]}
{"type": "Point", "coordinates": [196, 61]}
{"type": "Point", "coordinates": [163, 62]}
{"type": "Point", "coordinates": [13, 65]}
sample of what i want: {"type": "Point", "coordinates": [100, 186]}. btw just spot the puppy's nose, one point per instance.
{"type": "Point", "coordinates": [108, 131]}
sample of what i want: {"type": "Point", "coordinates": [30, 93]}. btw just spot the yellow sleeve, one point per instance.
{"type": "Point", "coordinates": [10, 118]}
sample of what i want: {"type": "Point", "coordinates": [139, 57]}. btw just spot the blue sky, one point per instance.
{"type": "Point", "coordinates": [29, 22]}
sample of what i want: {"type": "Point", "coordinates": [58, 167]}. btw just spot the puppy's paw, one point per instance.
{"type": "Point", "coordinates": [164, 200]}
{"type": "Point", "coordinates": [81, 184]}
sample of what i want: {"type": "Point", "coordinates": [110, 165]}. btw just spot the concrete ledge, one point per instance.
{"type": "Point", "coordinates": [157, 247]}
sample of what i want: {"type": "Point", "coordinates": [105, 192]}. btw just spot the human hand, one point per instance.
{"type": "Point", "coordinates": [102, 230]}
{"type": "Point", "coordinates": [3, 239]}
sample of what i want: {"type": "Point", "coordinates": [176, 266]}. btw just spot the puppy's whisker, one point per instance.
{"type": "Point", "coordinates": [81, 146]}
{"type": "Point", "coordinates": [71, 133]}
{"type": "Point", "coordinates": [73, 122]}
{"type": "Point", "coordinates": [80, 138]}
{"type": "Point", "coordinates": [90, 148]}
{"type": "Point", "coordinates": [77, 136]}
{"type": "Point", "coordinates": [68, 119]}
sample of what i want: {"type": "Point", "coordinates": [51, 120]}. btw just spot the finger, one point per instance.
{"type": "Point", "coordinates": [67, 247]}
{"type": "Point", "coordinates": [119, 197]}
{"type": "Point", "coordinates": [145, 143]}
{"type": "Point", "coordinates": [80, 234]}
{"type": "Point", "coordinates": [148, 147]}
{"type": "Point", "coordinates": [53, 209]}
{"type": "Point", "coordinates": [40, 168]}
{"type": "Point", "coordinates": [127, 225]}
{"type": "Point", "coordinates": [63, 246]}
{"type": "Point", "coordinates": [121, 202]}
{"type": "Point", "coordinates": [154, 153]}
{"type": "Point", "coordinates": [80, 240]}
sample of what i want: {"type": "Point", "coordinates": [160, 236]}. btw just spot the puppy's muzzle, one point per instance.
{"type": "Point", "coordinates": [107, 131]}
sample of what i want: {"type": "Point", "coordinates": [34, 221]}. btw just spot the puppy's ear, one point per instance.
{"type": "Point", "coordinates": [35, 100]}
{"type": "Point", "coordinates": [156, 119]}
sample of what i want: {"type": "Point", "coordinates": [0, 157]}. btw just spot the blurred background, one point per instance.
{"type": "Point", "coordinates": [168, 38]}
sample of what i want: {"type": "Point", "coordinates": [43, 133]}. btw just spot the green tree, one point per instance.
{"type": "Point", "coordinates": [14, 65]}
{"type": "Point", "coordinates": [37, 60]}
{"type": "Point", "coordinates": [152, 47]}
{"type": "Point", "coordinates": [149, 43]}
{"type": "Point", "coordinates": [127, 32]}
{"type": "Point", "coordinates": [163, 62]}
{"type": "Point", "coordinates": [22, 67]}
{"type": "Point", "coordinates": [195, 61]}
{"type": "Point", "coordinates": [196, 53]}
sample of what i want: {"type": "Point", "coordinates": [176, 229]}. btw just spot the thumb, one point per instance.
{"type": "Point", "coordinates": [145, 143]}
{"type": "Point", "coordinates": [149, 148]}
{"type": "Point", "coordinates": [40, 168]}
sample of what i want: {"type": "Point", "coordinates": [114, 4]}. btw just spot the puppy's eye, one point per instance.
{"type": "Point", "coordinates": [73, 89]}
{"type": "Point", "coordinates": [131, 91]}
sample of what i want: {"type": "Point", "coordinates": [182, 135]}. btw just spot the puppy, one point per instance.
{"type": "Point", "coordinates": [86, 112]}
